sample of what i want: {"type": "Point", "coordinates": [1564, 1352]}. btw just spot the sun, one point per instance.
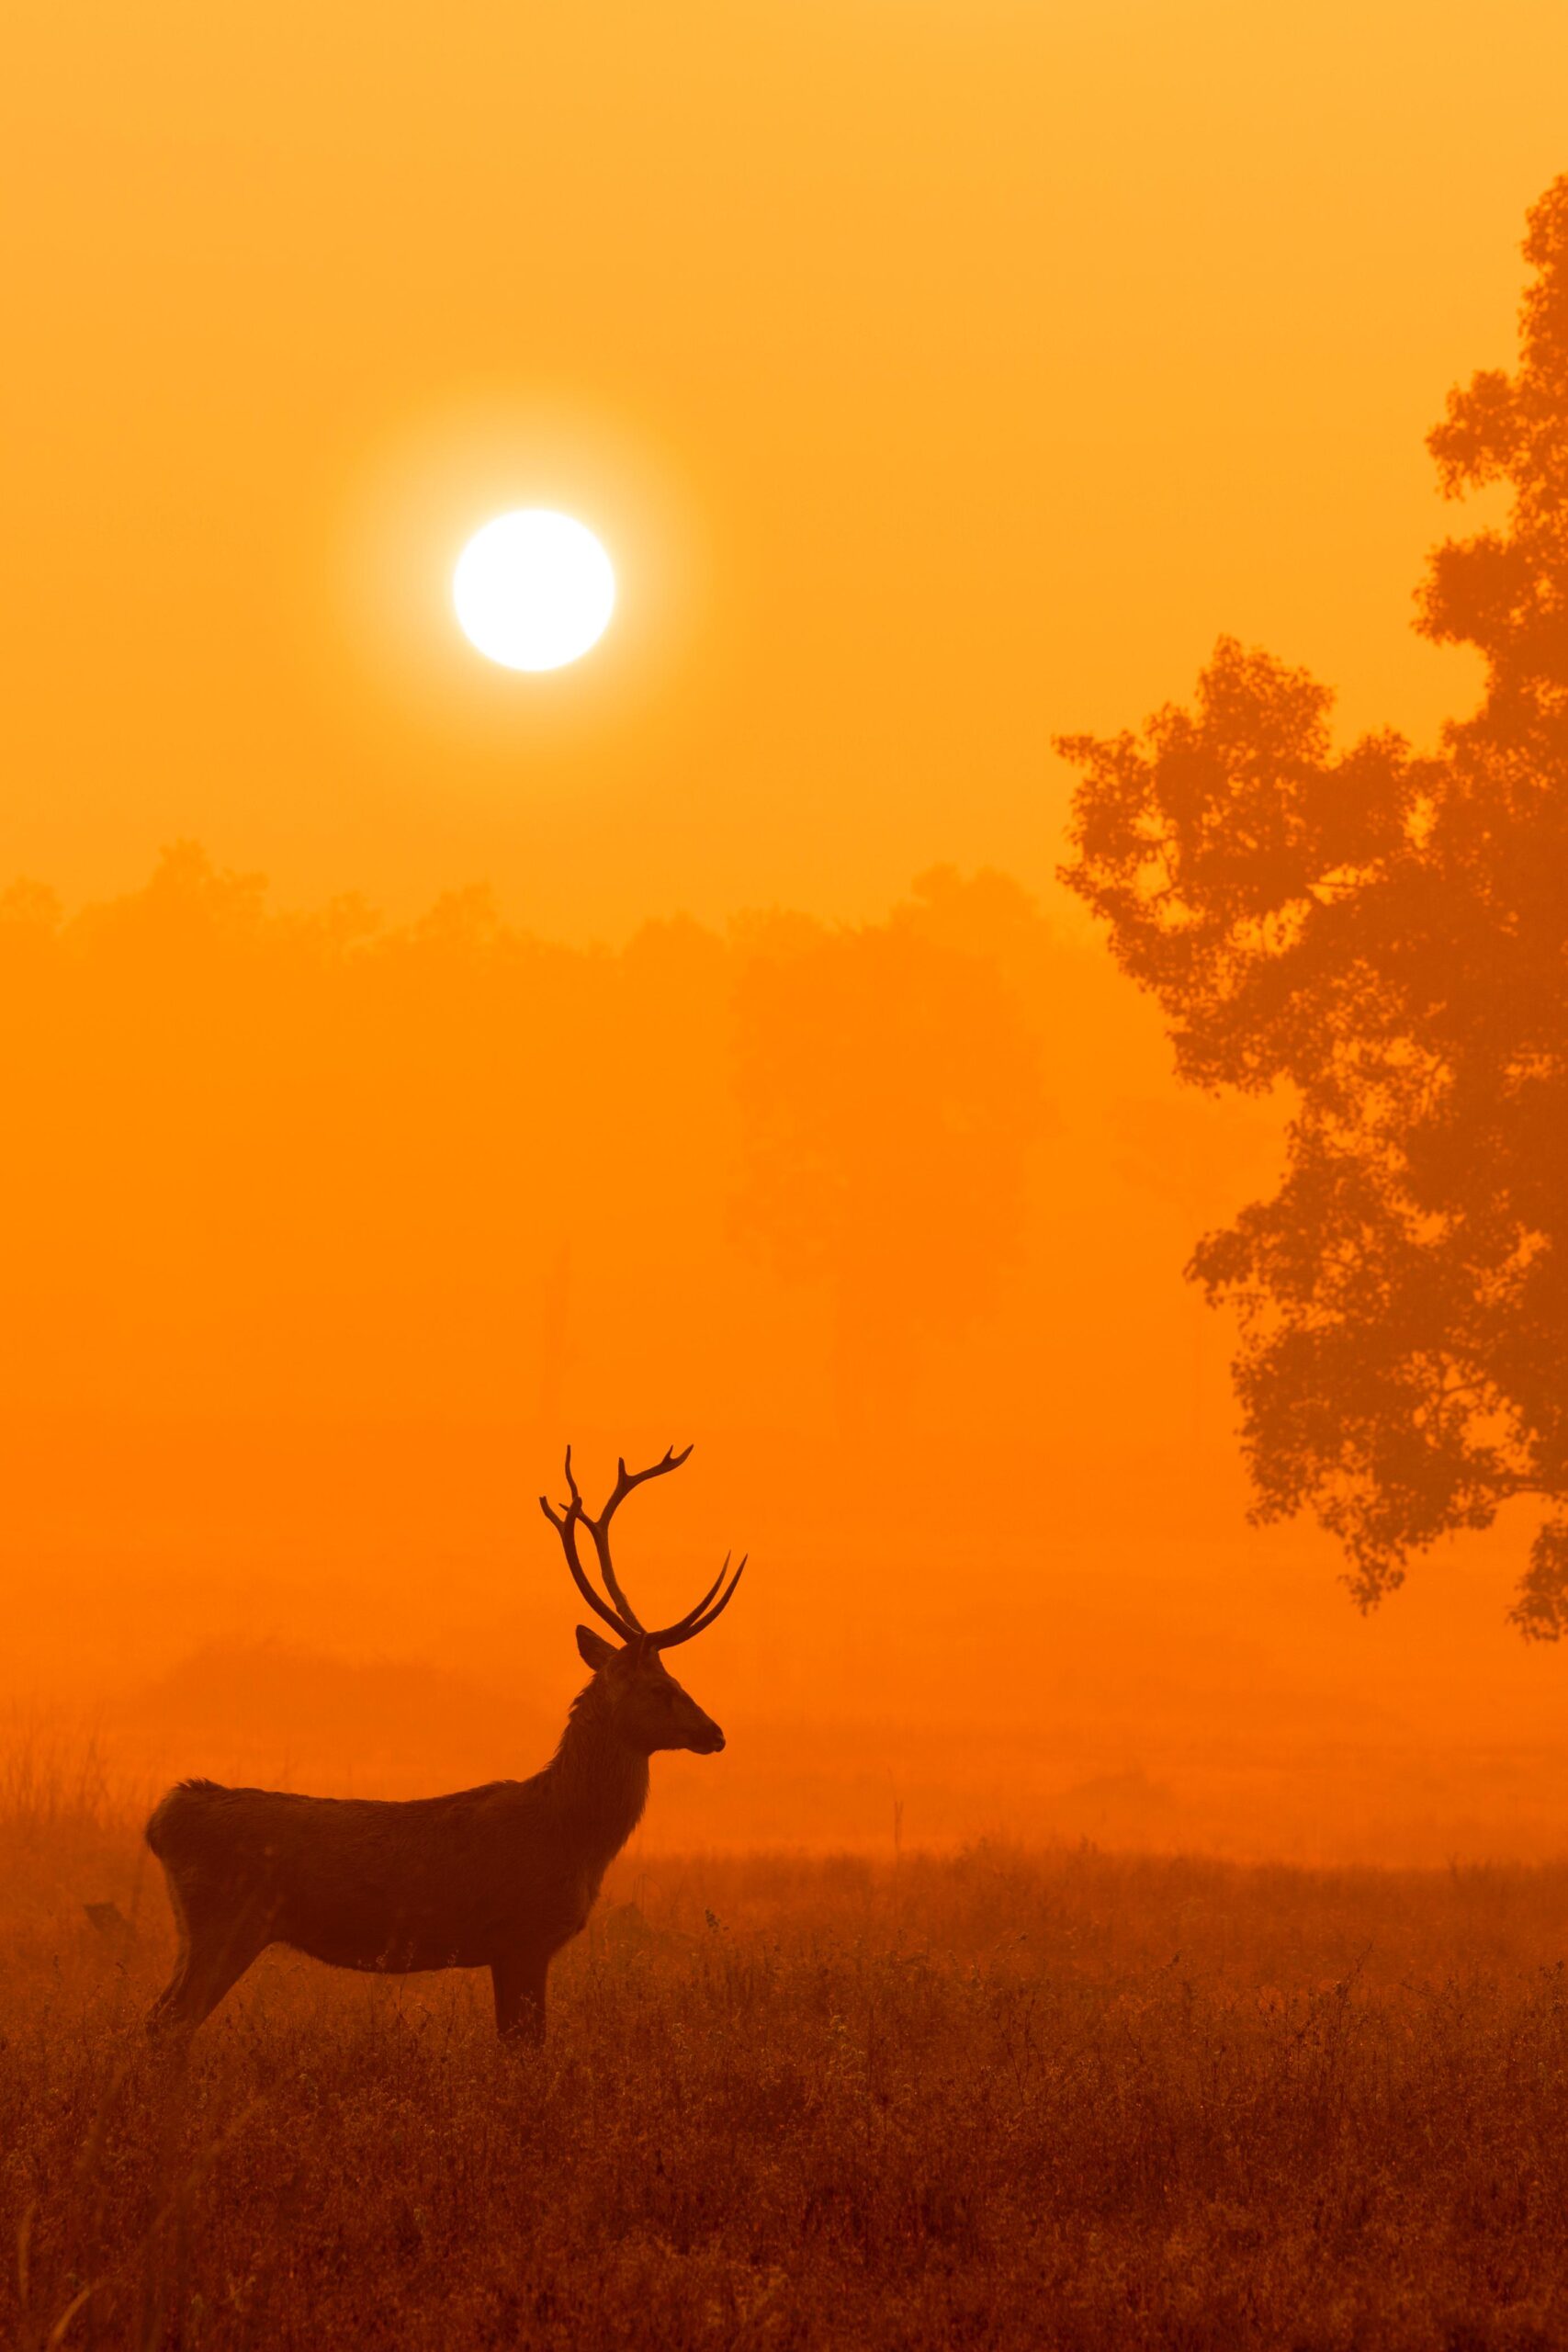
{"type": "Point", "coordinates": [533, 588]}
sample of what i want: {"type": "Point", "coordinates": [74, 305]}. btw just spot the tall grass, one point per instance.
{"type": "Point", "coordinates": [996, 2099]}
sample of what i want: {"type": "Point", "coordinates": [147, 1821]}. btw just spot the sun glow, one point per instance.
{"type": "Point", "coordinates": [533, 590]}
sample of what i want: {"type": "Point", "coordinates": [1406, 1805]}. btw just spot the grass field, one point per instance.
{"type": "Point", "coordinates": [997, 2098]}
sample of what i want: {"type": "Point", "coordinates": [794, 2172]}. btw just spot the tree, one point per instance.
{"type": "Point", "coordinates": [1385, 936]}
{"type": "Point", "coordinates": [890, 1097]}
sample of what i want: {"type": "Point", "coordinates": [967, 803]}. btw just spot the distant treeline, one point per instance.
{"type": "Point", "coordinates": [261, 1161]}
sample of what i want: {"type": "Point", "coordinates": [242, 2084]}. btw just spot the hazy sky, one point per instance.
{"type": "Point", "coordinates": [939, 376]}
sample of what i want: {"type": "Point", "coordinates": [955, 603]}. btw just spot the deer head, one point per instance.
{"type": "Point", "coordinates": [650, 1709]}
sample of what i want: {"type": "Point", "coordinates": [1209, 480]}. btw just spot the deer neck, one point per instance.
{"type": "Point", "coordinates": [600, 1780]}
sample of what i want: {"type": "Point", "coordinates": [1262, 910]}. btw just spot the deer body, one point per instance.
{"type": "Point", "coordinates": [498, 1877]}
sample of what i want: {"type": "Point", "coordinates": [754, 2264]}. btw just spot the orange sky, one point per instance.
{"type": "Point", "coordinates": [941, 376]}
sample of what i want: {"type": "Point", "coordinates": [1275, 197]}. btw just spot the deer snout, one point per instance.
{"type": "Point", "coordinates": [707, 1739]}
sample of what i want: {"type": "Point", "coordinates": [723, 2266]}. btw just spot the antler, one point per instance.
{"type": "Point", "coordinates": [698, 1620]}
{"type": "Point", "coordinates": [623, 1616]}
{"type": "Point", "coordinates": [600, 1528]}
{"type": "Point", "coordinates": [564, 1524]}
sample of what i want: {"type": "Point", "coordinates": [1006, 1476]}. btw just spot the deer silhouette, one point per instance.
{"type": "Point", "coordinates": [498, 1877]}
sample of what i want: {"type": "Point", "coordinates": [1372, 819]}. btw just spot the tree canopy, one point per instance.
{"type": "Point", "coordinates": [1385, 935]}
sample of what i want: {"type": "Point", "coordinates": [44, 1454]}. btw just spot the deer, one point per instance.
{"type": "Point", "coordinates": [498, 1877]}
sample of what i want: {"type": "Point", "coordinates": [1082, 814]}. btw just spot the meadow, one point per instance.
{"type": "Point", "coordinates": [986, 2099]}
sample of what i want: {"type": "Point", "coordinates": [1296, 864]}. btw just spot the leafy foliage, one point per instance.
{"type": "Point", "coordinates": [1386, 936]}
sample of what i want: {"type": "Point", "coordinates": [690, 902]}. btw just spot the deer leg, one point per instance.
{"type": "Point", "coordinates": [519, 1980]}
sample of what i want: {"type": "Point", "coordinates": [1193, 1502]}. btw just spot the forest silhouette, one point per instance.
{"type": "Point", "coordinates": [1380, 935]}
{"type": "Point", "coordinates": [339, 1164]}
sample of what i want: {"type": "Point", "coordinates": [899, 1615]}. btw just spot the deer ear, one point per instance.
{"type": "Point", "coordinates": [594, 1649]}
